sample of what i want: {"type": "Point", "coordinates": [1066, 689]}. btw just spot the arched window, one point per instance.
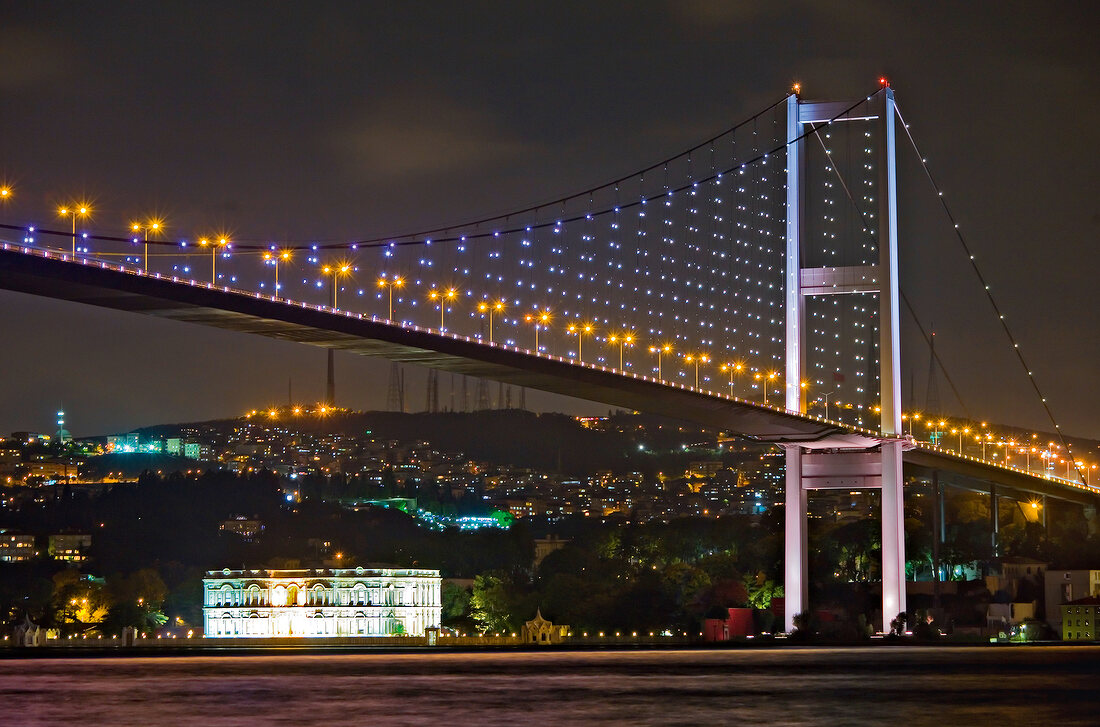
{"type": "Point", "coordinates": [279, 596]}
{"type": "Point", "coordinates": [317, 595]}
{"type": "Point", "coordinates": [253, 595]}
{"type": "Point", "coordinates": [294, 597]}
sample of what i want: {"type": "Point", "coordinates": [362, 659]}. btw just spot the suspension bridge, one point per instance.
{"type": "Point", "coordinates": [738, 285]}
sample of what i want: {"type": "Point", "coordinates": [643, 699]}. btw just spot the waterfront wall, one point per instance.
{"type": "Point", "coordinates": [347, 642]}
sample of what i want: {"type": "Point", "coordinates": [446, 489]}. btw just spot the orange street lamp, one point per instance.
{"type": "Point", "coordinates": [731, 369]}
{"type": "Point", "coordinates": [580, 331]}
{"type": "Point", "coordinates": [442, 296]}
{"type": "Point", "coordinates": [696, 359]}
{"type": "Point", "coordinates": [220, 243]}
{"type": "Point", "coordinates": [623, 339]}
{"type": "Point", "coordinates": [662, 349]}
{"type": "Point", "coordinates": [764, 379]}
{"type": "Point", "coordinates": [274, 257]}
{"type": "Point", "coordinates": [391, 283]}
{"type": "Point", "coordinates": [153, 225]}
{"type": "Point", "coordinates": [80, 210]}
{"type": "Point", "coordinates": [486, 307]}
{"type": "Point", "coordinates": [336, 271]}
{"type": "Point", "coordinates": [541, 319]}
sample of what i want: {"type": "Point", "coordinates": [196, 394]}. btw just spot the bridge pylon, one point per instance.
{"type": "Point", "coordinates": [825, 465]}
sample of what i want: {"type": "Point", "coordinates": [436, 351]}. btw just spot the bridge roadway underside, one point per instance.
{"type": "Point", "coordinates": [109, 287]}
{"type": "Point", "coordinates": [977, 477]}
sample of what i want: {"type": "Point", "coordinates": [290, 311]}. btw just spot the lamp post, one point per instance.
{"type": "Point", "coordinates": [274, 257]}
{"type": "Point", "coordinates": [696, 359]}
{"type": "Point", "coordinates": [391, 283]}
{"type": "Point", "coordinates": [73, 213]}
{"type": "Point", "coordinates": [963, 431]}
{"type": "Point", "coordinates": [731, 369]}
{"type": "Point", "coordinates": [541, 320]}
{"type": "Point", "coordinates": [624, 339]}
{"type": "Point", "coordinates": [442, 296]}
{"type": "Point", "coordinates": [486, 307]}
{"type": "Point", "coordinates": [336, 271]}
{"type": "Point", "coordinates": [580, 331]}
{"type": "Point", "coordinates": [666, 348]}
{"type": "Point", "coordinates": [222, 243]}
{"type": "Point", "coordinates": [153, 225]}
{"type": "Point", "coordinates": [764, 379]}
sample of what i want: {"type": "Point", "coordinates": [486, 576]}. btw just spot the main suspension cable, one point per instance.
{"type": "Point", "coordinates": [904, 297]}
{"type": "Point", "coordinates": [989, 294]}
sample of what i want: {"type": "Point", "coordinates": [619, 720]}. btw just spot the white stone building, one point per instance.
{"type": "Point", "coordinates": [320, 602]}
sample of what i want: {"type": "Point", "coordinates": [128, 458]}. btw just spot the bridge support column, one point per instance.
{"type": "Point", "coordinates": [796, 556]}
{"type": "Point", "coordinates": [937, 531]}
{"type": "Point", "coordinates": [893, 533]}
{"type": "Point", "coordinates": [994, 520]}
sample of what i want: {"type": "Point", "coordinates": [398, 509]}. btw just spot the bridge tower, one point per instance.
{"type": "Point", "coordinates": [836, 463]}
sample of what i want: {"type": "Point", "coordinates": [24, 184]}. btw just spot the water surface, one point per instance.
{"type": "Point", "coordinates": [904, 686]}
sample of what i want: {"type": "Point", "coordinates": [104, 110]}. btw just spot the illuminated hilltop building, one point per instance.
{"type": "Point", "coordinates": [320, 603]}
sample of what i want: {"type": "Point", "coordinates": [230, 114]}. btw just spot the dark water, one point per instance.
{"type": "Point", "coordinates": [875, 686]}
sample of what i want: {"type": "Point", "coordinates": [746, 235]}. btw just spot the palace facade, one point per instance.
{"type": "Point", "coordinates": [320, 602]}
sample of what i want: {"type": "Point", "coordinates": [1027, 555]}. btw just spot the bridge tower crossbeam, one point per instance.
{"type": "Point", "coordinates": [823, 465]}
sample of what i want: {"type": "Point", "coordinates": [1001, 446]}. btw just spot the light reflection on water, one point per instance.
{"type": "Point", "coordinates": [905, 686]}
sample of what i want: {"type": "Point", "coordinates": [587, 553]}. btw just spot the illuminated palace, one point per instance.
{"type": "Point", "coordinates": [320, 602]}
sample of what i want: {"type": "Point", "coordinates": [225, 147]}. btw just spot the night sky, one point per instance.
{"type": "Point", "coordinates": [331, 121]}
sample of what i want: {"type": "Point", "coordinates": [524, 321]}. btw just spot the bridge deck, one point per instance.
{"type": "Point", "coordinates": [108, 285]}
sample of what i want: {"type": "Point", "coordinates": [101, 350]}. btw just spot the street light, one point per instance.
{"type": "Point", "coordinates": [764, 379]}
{"type": "Point", "coordinates": [486, 307]}
{"type": "Point", "coordinates": [659, 350]}
{"type": "Point", "coordinates": [274, 257]}
{"type": "Point", "coordinates": [580, 331]}
{"type": "Point", "coordinates": [391, 283]}
{"type": "Point", "coordinates": [731, 369]}
{"type": "Point", "coordinates": [624, 339]}
{"type": "Point", "coordinates": [153, 225]}
{"type": "Point", "coordinates": [541, 320]}
{"type": "Point", "coordinates": [442, 296]}
{"type": "Point", "coordinates": [697, 359]}
{"type": "Point", "coordinates": [220, 243]}
{"type": "Point", "coordinates": [81, 210]}
{"type": "Point", "coordinates": [336, 271]}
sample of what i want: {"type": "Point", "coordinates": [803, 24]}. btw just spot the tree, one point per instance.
{"type": "Point", "coordinates": [456, 603]}
{"type": "Point", "coordinates": [489, 601]}
{"type": "Point", "coordinates": [78, 599]}
{"type": "Point", "coordinates": [136, 601]}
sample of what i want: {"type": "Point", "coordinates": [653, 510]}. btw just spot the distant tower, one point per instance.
{"type": "Point", "coordinates": [932, 390]}
{"type": "Point", "coordinates": [395, 397]}
{"type": "Point", "coordinates": [330, 387]}
{"type": "Point", "coordinates": [62, 434]}
{"type": "Point", "coordinates": [508, 398]}
{"type": "Point", "coordinates": [432, 392]}
{"type": "Point", "coordinates": [465, 395]}
{"type": "Point", "coordinates": [483, 401]}
{"type": "Point", "coordinates": [500, 395]}
{"type": "Point", "coordinates": [523, 398]}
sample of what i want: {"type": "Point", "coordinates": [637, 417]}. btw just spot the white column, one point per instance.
{"type": "Point", "coordinates": [889, 349]}
{"type": "Point", "coordinates": [893, 533]}
{"type": "Point", "coordinates": [794, 338]}
{"type": "Point", "coordinates": [796, 557]}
